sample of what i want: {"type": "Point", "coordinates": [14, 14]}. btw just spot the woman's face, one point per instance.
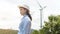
{"type": "Point", "coordinates": [22, 11]}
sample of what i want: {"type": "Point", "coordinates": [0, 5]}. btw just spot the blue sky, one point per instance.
{"type": "Point", "coordinates": [10, 16]}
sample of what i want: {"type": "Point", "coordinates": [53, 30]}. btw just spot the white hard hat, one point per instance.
{"type": "Point", "coordinates": [24, 6]}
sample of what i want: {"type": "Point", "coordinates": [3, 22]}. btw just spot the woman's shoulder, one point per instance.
{"type": "Point", "coordinates": [26, 18]}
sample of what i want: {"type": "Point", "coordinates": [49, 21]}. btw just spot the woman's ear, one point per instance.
{"type": "Point", "coordinates": [25, 10]}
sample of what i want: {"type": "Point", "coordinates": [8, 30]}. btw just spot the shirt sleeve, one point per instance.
{"type": "Point", "coordinates": [27, 26]}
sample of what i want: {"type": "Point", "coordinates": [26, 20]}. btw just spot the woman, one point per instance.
{"type": "Point", "coordinates": [25, 25]}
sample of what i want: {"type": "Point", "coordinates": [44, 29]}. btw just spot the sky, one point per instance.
{"type": "Point", "coordinates": [10, 16]}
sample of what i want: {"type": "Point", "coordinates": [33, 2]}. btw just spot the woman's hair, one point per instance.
{"type": "Point", "coordinates": [29, 15]}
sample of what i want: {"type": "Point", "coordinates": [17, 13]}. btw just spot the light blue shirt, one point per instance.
{"type": "Point", "coordinates": [25, 25]}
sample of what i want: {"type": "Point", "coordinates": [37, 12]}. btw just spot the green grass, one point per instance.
{"type": "Point", "coordinates": [8, 31]}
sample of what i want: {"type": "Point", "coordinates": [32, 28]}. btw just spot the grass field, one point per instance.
{"type": "Point", "coordinates": [8, 31]}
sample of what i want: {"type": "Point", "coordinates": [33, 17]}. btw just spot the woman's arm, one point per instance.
{"type": "Point", "coordinates": [27, 27]}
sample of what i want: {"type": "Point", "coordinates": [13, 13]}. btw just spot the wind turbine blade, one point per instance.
{"type": "Point", "coordinates": [39, 4]}
{"type": "Point", "coordinates": [45, 7]}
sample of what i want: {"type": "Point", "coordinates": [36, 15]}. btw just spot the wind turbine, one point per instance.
{"type": "Point", "coordinates": [41, 11]}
